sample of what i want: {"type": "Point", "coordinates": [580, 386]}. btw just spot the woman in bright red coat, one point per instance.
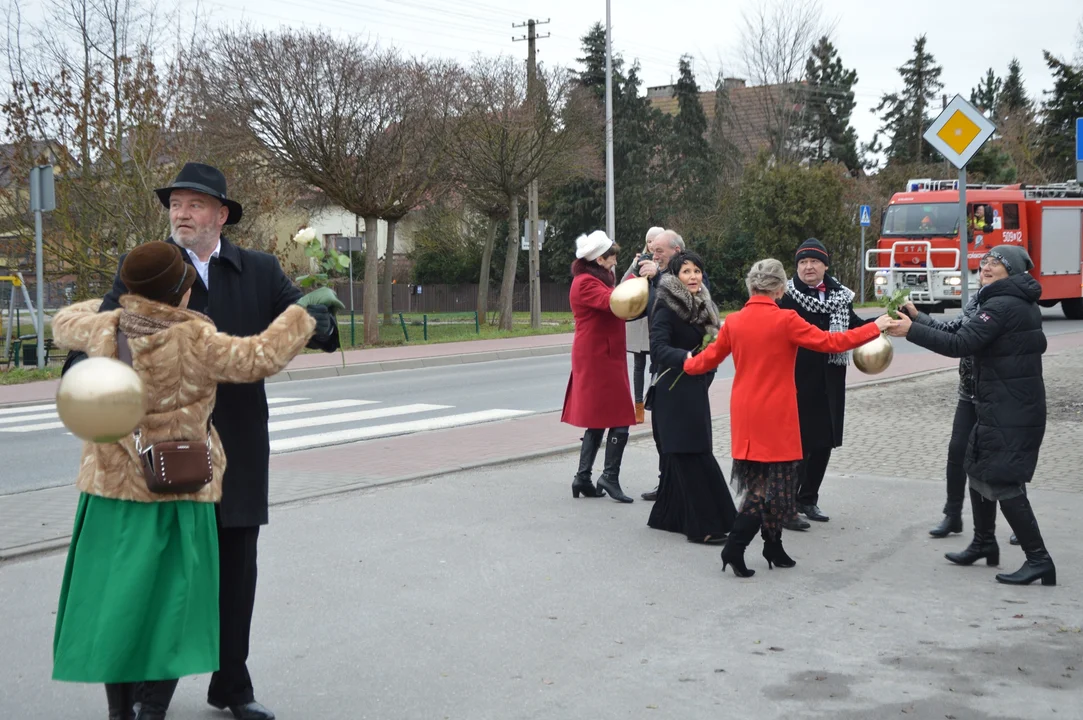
{"type": "Point", "coordinates": [598, 396]}
{"type": "Point", "coordinates": [764, 428]}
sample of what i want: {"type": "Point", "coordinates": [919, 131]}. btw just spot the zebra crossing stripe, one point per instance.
{"type": "Point", "coordinates": [304, 442]}
{"type": "Point", "coordinates": [360, 416]}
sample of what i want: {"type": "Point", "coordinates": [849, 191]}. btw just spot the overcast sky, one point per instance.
{"type": "Point", "coordinates": [874, 37]}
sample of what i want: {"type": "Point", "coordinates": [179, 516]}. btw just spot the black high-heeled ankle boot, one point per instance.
{"type": "Point", "coordinates": [1039, 566]}
{"type": "Point", "coordinates": [121, 697]}
{"type": "Point", "coordinates": [984, 543]}
{"type": "Point", "coordinates": [154, 699]}
{"type": "Point", "coordinates": [592, 441]}
{"type": "Point", "coordinates": [744, 529]}
{"type": "Point", "coordinates": [774, 553]}
{"type": "Point", "coordinates": [614, 452]}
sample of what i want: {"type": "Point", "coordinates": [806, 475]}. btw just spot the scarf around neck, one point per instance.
{"type": "Point", "coordinates": [697, 310]}
{"type": "Point", "coordinates": [837, 304]}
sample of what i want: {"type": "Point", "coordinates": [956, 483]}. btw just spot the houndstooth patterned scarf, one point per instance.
{"type": "Point", "coordinates": [837, 305]}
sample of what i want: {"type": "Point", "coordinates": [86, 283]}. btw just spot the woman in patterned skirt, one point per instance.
{"type": "Point", "coordinates": [764, 429]}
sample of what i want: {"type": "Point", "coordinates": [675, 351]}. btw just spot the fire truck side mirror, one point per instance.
{"type": "Point", "coordinates": [988, 218]}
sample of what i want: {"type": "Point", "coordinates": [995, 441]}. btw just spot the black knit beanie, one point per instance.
{"type": "Point", "coordinates": [813, 248]}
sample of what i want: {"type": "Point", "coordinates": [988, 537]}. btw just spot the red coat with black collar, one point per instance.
{"type": "Point", "coordinates": [598, 394]}
{"type": "Point", "coordinates": [764, 339]}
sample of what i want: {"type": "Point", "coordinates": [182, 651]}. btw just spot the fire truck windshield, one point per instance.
{"type": "Point", "coordinates": [921, 220]}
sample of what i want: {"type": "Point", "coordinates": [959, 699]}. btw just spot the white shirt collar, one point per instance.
{"type": "Point", "coordinates": [195, 258]}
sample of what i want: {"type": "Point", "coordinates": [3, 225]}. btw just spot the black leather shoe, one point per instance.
{"type": "Point", "coordinates": [1013, 540]}
{"type": "Point", "coordinates": [248, 711]}
{"type": "Point", "coordinates": [650, 495]}
{"type": "Point", "coordinates": [813, 513]}
{"type": "Point", "coordinates": [950, 524]}
{"type": "Point", "coordinates": [796, 523]}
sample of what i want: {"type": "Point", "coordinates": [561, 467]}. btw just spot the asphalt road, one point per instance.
{"type": "Point", "coordinates": [38, 453]}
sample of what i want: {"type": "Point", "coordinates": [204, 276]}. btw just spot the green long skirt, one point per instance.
{"type": "Point", "coordinates": [140, 594]}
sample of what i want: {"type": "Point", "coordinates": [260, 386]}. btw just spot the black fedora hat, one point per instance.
{"type": "Point", "coordinates": [204, 179]}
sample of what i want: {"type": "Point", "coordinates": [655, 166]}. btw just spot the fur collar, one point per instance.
{"type": "Point", "coordinates": [138, 305]}
{"type": "Point", "coordinates": [698, 310]}
{"type": "Point", "coordinates": [580, 267]}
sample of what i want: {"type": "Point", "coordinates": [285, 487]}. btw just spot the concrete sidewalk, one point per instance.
{"type": "Point", "coordinates": [493, 594]}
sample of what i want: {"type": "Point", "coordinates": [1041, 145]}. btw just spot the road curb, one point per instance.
{"type": "Point", "coordinates": [41, 548]}
{"type": "Point", "coordinates": [321, 373]}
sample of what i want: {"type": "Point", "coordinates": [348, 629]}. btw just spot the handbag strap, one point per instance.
{"type": "Point", "coordinates": [124, 350]}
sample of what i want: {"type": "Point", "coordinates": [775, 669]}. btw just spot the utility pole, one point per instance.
{"type": "Point", "coordinates": [610, 205]}
{"type": "Point", "coordinates": [532, 191]}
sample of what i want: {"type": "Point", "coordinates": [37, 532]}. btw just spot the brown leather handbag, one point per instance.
{"type": "Point", "coordinates": [171, 468]}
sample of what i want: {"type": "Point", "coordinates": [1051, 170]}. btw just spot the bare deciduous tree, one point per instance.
{"type": "Point", "coordinates": [776, 38]}
{"type": "Point", "coordinates": [333, 114]}
{"type": "Point", "coordinates": [505, 139]}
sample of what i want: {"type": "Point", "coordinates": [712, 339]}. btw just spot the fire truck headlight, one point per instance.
{"type": "Point", "coordinates": [953, 281]}
{"type": "Point", "coordinates": [880, 280]}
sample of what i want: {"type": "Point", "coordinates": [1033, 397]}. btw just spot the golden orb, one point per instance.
{"type": "Point", "coordinates": [629, 299]}
{"type": "Point", "coordinates": [100, 400]}
{"type": "Point", "coordinates": [874, 356]}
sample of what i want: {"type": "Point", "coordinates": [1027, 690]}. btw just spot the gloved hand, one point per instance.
{"type": "Point", "coordinates": [323, 296]}
{"type": "Point", "coordinates": [324, 324]}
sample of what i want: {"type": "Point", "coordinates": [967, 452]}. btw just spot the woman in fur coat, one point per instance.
{"type": "Point", "coordinates": [139, 599]}
{"type": "Point", "coordinates": [598, 395]}
{"type": "Point", "coordinates": [692, 497]}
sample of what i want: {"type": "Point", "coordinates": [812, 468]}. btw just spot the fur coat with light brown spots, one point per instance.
{"type": "Point", "coordinates": [181, 367]}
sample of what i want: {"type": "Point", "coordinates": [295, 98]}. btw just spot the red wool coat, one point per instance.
{"type": "Point", "coordinates": [598, 395]}
{"type": "Point", "coordinates": [763, 402]}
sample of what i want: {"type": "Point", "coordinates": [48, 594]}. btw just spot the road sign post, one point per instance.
{"type": "Point", "coordinates": [958, 133]}
{"type": "Point", "coordinates": [865, 218]}
{"type": "Point", "coordinates": [42, 199]}
{"type": "Point", "coordinates": [1079, 150]}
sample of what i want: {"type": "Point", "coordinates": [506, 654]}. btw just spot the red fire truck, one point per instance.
{"type": "Point", "coordinates": [919, 249]}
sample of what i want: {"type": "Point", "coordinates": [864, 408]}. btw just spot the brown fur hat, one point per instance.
{"type": "Point", "coordinates": [157, 271]}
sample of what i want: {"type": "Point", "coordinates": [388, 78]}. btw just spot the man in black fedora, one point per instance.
{"type": "Point", "coordinates": [242, 291]}
{"type": "Point", "coordinates": [820, 377]}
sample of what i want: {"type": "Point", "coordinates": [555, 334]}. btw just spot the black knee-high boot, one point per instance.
{"type": "Point", "coordinates": [984, 544]}
{"type": "Point", "coordinates": [121, 697]}
{"type": "Point", "coordinates": [614, 452]}
{"type": "Point", "coordinates": [154, 699]}
{"type": "Point", "coordinates": [592, 441]}
{"type": "Point", "coordinates": [744, 530]}
{"type": "Point", "coordinates": [1039, 566]}
{"type": "Point", "coordinates": [774, 553]}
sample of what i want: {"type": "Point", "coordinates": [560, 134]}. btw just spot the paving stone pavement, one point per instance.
{"type": "Point", "coordinates": [914, 416]}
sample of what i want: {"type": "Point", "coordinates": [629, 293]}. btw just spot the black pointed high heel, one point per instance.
{"type": "Point", "coordinates": [775, 554]}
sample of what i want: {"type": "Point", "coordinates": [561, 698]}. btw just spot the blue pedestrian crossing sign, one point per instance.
{"type": "Point", "coordinates": [866, 216]}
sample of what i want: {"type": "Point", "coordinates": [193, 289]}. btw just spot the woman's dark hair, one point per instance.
{"type": "Point", "coordinates": [686, 256]}
{"type": "Point", "coordinates": [613, 250]}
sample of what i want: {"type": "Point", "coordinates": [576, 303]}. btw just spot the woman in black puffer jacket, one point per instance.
{"type": "Point", "coordinates": [1006, 341]}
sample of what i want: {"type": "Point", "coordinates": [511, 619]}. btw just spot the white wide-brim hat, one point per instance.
{"type": "Point", "coordinates": [593, 246]}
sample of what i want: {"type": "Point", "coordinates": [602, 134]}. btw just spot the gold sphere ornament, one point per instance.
{"type": "Point", "coordinates": [629, 299]}
{"type": "Point", "coordinates": [874, 356]}
{"type": "Point", "coordinates": [100, 400]}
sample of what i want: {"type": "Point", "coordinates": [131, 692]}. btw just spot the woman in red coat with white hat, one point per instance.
{"type": "Point", "coordinates": [598, 396]}
{"type": "Point", "coordinates": [764, 428]}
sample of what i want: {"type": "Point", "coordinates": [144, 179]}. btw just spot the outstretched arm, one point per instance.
{"type": "Point", "coordinates": [76, 325]}
{"type": "Point", "coordinates": [811, 337]}
{"type": "Point", "coordinates": [233, 359]}
{"type": "Point", "coordinates": [713, 356]}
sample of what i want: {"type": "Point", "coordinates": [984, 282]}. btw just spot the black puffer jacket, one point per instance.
{"type": "Point", "coordinates": [1006, 341]}
{"type": "Point", "coordinates": [966, 365]}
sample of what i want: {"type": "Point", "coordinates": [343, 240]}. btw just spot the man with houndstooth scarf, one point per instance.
{"type": "Point", "coordinates": [820, 377]}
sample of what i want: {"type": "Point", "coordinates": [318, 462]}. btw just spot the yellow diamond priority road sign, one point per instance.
{"type": "Point", "coordinates": [959, 131]}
